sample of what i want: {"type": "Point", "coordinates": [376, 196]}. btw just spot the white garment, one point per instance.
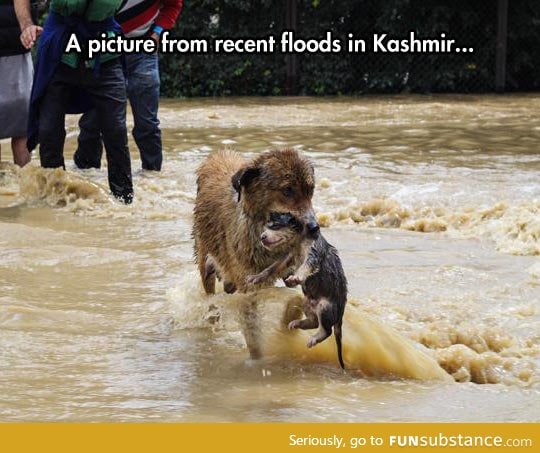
{"type": "Point", "coordinates": [16, 76]}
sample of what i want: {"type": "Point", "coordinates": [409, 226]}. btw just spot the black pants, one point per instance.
{"type": "Point", "coordinates": [143, 94]}
{"type": "Point", "coordinates": [108, 93]}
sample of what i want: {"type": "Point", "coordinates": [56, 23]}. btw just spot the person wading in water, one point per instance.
{"type": "Point", "coordinates": [68, 83]}
{"type": "Point", "coordinates": [138, 18]}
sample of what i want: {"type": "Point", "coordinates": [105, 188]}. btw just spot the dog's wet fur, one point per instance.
{"type": "Point", "coordinates": [234, 200]}
{"type": "Point", "coordinates": [321, 275]}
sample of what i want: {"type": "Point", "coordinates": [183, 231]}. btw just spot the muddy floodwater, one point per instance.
{"type": "Point", "coordinates": [433, 203]}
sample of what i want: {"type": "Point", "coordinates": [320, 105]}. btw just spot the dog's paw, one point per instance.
{"type": "Point", "coordinates": [294, 324]}
{"type": "Point", "coordinates": [311, 342]}
{"type": "Point", "coordinates": [292, 280]}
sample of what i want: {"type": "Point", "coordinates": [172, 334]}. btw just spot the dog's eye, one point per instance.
{"type": "Point", "coordinates": [288, 191]}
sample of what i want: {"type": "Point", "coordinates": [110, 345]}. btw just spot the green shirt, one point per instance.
{"type": "Point", "coordinates": [98, 10]}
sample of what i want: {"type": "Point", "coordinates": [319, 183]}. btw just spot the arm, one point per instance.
{"type": "Point", "coordinates": [29, 31]}
{"type": "Point", "coordinates": [170, 9]}
{"type": "Point", "coordinates": [168, 14]}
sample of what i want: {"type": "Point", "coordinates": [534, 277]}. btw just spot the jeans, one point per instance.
{"type": "Point", "coordinates": [143, 93]}
{"type": "Point", "coordinates": [108, 93]}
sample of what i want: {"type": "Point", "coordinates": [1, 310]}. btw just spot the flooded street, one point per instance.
{"type": "Point", "coordinates": [432, 202]}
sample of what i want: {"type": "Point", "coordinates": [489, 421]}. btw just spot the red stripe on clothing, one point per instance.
{"type": "Point", "coordinates": [141, 19]}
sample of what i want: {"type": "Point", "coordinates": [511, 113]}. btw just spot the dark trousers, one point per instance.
{"type": "Point", "coordinates": [143, 94]}
{"type": "Point", "coordinates": [108, 94]}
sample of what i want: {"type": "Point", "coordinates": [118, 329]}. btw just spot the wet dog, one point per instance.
{"type": "Point", "coordinates": [321, 275]}
{"type": "Point", "coordinates": [234, 200]}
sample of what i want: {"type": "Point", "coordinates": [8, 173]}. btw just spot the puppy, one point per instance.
{"type": "Point", "coordinates": [290, 230]}
{"type": "Point", "coordinates": [234, 200]}
{"type": "Point", "coordinates": [321, 275]}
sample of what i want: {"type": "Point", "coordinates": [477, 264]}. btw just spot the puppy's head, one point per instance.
{"type": "Point", "coordinates": [278, 181]}
{"type": "Point", "coordinates": [281, 230]}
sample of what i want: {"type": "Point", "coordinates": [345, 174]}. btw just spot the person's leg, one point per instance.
{"type": "Point", "coordinates": [21, 155]}
{"type": "Point", "coordinates": [109, 96]}
{"type": "Point", "coordinates": [89, 144]}
{"type": "Point", "coordinates": [52, 113]}
{"type": "Point", "coordinates": [143, 93]}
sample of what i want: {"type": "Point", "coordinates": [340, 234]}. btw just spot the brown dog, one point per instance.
{"type": "Point", "coordinates": [234, 202]}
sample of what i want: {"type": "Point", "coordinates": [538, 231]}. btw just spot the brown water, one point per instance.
{"type": "Point", "coordinates": [433, 202]}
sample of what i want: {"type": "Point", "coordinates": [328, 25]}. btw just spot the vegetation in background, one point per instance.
{"type": "Point", "coordinates": [472, 23]}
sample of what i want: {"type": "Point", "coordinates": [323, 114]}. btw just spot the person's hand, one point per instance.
{"type": "Point", "coordinates": [30, 34]}
{"type": "Point", "coordinates": [155, 37]}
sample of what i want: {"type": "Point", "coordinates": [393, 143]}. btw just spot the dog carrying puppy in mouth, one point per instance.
{"type": "Point", "coordinates": [321, 275]}
{"type": "Point", "coordinates": [234, 200]}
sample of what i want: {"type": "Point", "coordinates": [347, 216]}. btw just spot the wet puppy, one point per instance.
{"type": "Point", "coordinates": [234, 200]}
{"type": "Point", "coordinates": [290, 231]}
{"type": "Point", "coordinates": [321, 275]}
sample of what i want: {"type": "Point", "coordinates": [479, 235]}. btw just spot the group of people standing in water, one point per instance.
{"type": "Point", "coordinates": [35, 100]}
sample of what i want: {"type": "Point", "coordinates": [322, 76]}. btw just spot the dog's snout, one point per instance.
{"type": "Point", "coordinates": [313, 229]}
{"type": "Point", "coordinates": [264, 236]}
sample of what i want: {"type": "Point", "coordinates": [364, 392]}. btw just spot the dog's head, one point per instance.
{"type": "Point", "coordinates": [278, 181]}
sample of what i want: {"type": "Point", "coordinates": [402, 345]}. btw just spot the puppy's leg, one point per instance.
{"type": "Point", "coordinates": [310, 322]}
{"type": "Point", "coordinates": [322, 334]}
{"type": "Point", "coordinates": [301, 274]}
{"type": "Point", "coordinates": [261, 277]}
{"type": "Point", "coordinates": [324, 314]}
{"type": "Point", "coordinates": [271, 272]}
{"type": "Point", "coordinates": [293, 310]}
{"type": "Point", "coordinates": [305, 324]}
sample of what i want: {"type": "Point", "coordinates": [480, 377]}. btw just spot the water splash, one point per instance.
{"type": "Point", "coordinates": [514, 228]}
{"type": "Point", "coordinates": [56, 187]}
{"type": "Point", "coordinates": [369, 347]}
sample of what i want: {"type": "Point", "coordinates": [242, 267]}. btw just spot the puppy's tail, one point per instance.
{"type": "Point", "coordinates": [337, 334]}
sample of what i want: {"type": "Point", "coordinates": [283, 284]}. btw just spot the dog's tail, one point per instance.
{"type": "Point", "coordinates": [337, 334]}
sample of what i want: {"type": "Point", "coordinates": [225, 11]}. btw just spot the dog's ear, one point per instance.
{"type": "Point", "coordinates": [243, 177]}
